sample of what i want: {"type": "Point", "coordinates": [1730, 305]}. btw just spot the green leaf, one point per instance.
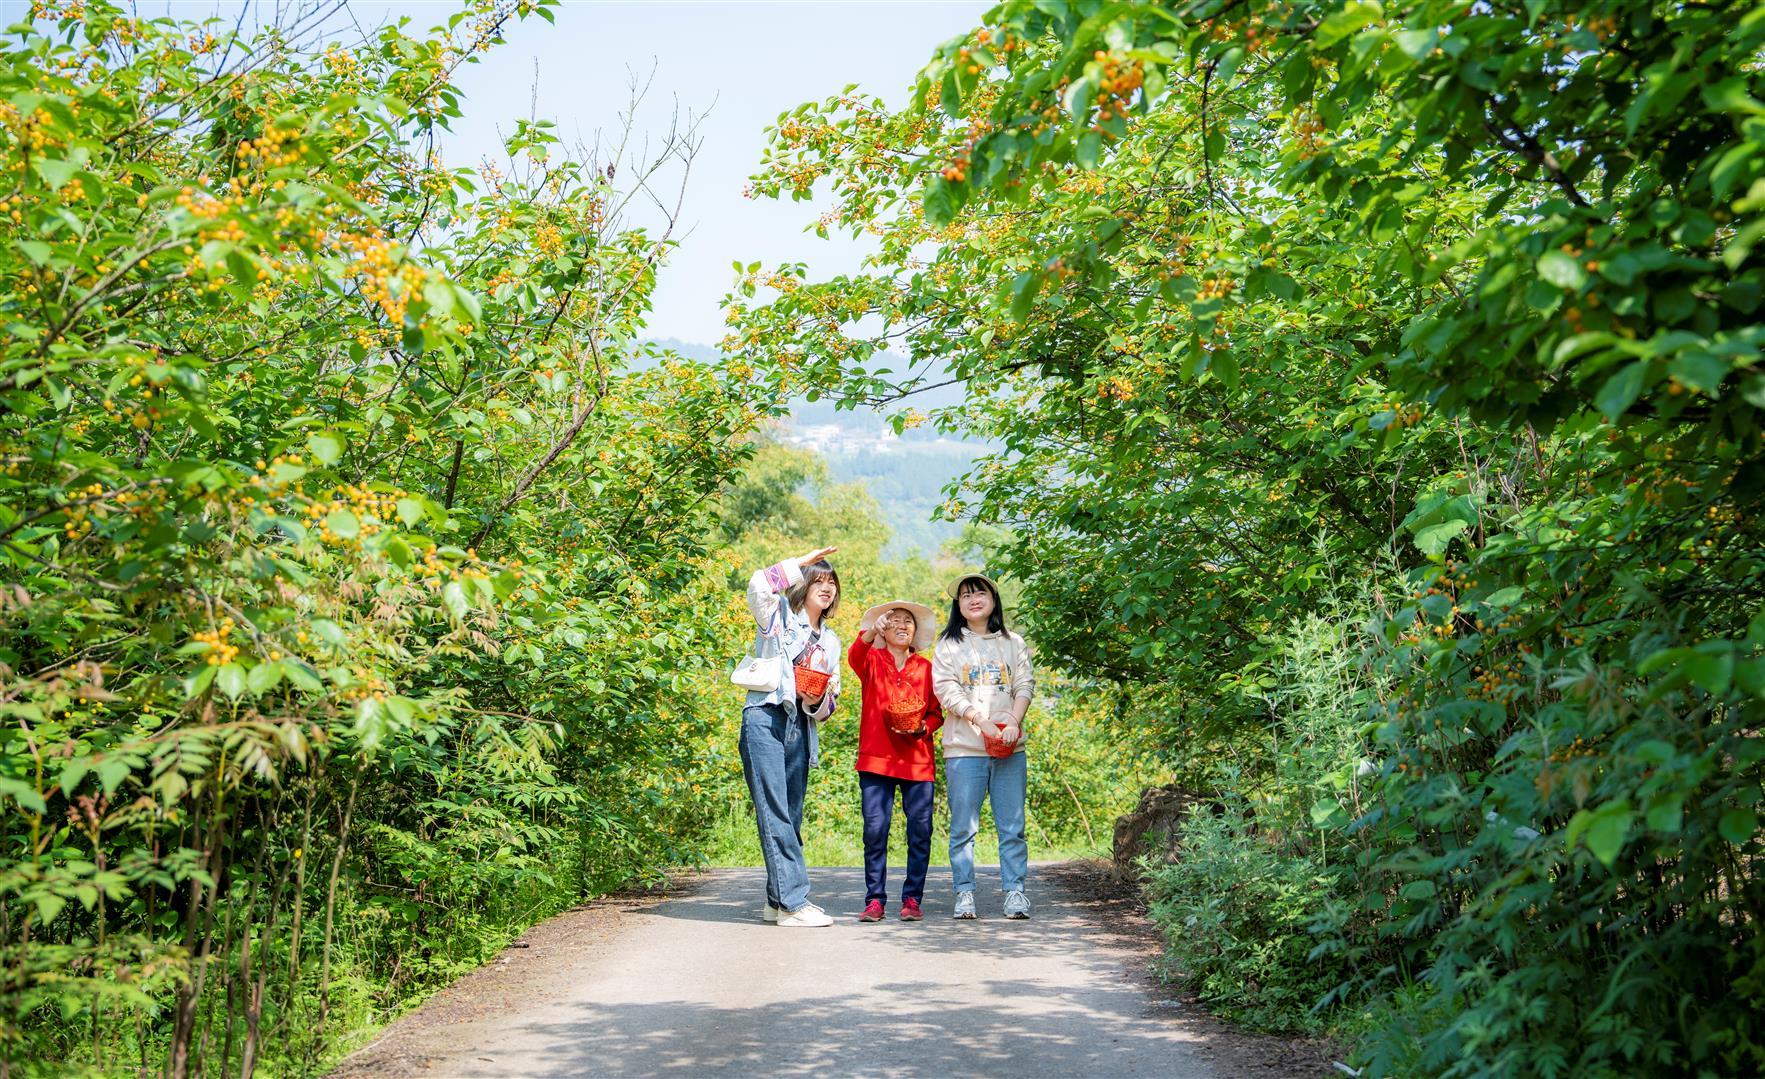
{"type": "Point", "coordinates": [950, 94]}
{"type": "Point", "coordinates": [264, 676]}
{"type": "Point", "coordinates": [113, 770]}
{"type": "Point", "coordinates": [343, 523]}
{"type": "Point", "coordinates": [1621, 390]}
{"type": "Point", "coordinates": [1666, 813]}
{"type": "Point", "coordinates": [439, 295]}
{"type": "Point", "coordinates": [455, 598]}
{"type": "Point", "coordinates": [468, 300]}
{"type": "Point", "coordinates": [398, 551]}
{"type": "Point", "coordinates": [1653, 751]}
{"type": "Point", "coordinates": [1419, 889]}
{"type": "Point", "coordinates": [1223, 363]}
{"type": "Point", "coordinates": [370, 722]}
{"type": "Point", "coordinates": [1710, 666]}
{"type": "Point", "coordinates": [1088, 150]}
{"type": "Point", "coordinates": [285, 473]}
{"type": "Point", "coordinates": [1435, 538]}
{"type": "Point", "coordinates": [24, 794]}
{"type": "Point", "coordinates": [194, 686]}
{"type": "Point", "coordinates": [1739, 825]}
{"type": "Point", "coordinates": [230, 679]}
{"type": "Point", "coordinates": [302, 676]}
{"type": "Point", "coordinates": [36, 250]}
{"type": "Point", "coordinates": [1354, 16]}
{"type": "Point", "coordinates": [1700, 371]}
{"type": "Point", "coordinates": [1023, 294]}
{"type": "Point", "coordinates": [48, 906]}
{"type": "Point", "coordinates": [327, 446]}
{"type": "Point", "coordinates": [1561, 270]}
{"type": "Point", "coordinates": [1228, 66]}
{"type": "Point", "coordinates": [1602, 830]}
{"type": "Point", "coordinates": [1416, 44]}
{"type": "Point", "coordinates": [940, 202]}
{"type": "Point", "coordinates": [72, 773]}
{"type": "Point", "coordinates": [1326, 812]}
{"type": "Point", "coordinates": [1730, 95]}
{"type": "Point", "coordinates": [55, 173]}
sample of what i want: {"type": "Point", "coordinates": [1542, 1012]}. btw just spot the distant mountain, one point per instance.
{"type": "Point", "coordinates": [906, 473]}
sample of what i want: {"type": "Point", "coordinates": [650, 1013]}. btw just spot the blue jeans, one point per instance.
{"type": "Point", "coordinates": [877, 796]}
{"type": "Point", "coordinates": [775, 760]}
{"type": "Point", "coordinates": [968, 780]}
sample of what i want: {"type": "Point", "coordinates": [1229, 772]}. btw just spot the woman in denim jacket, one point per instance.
{"type": "Point", "coordinates": [789, 602]}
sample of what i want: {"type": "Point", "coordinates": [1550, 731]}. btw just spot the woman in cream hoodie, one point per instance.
{"type": "Point", "coordinates": [981, 674]}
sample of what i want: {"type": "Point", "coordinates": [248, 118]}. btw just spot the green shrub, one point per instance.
{"type": "Point", "coordinates": [1236, 909]}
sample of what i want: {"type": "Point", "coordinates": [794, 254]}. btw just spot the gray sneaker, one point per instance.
{"type": "Point", "coordinates": [1017, 905]}
{"type": "Point", "coordinates": [964, 906]}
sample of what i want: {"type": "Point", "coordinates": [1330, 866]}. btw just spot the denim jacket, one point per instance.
{"type": "Point", "coordinates": [774, 619]}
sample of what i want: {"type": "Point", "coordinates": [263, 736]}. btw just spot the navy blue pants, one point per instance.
{"type": "Point", "coordinates": [878, 793]}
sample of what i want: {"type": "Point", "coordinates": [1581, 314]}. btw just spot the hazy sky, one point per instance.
{"type": "Point", "coordinates": [744, 60]}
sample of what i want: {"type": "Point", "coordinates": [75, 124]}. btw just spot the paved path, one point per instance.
{"type": "Point", "coordinates": [694, 983]}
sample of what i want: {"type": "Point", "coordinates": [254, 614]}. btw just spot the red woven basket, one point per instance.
{"type": "Point", "coordinates": [905, 717]}
{"type": "Point", "coordinates": [998, 747]}
{"type": "Point", "coordinates": [810, 682]}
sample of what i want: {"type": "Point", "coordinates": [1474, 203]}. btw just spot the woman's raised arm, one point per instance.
{"type": "Point", "coordinates": [766, 585]}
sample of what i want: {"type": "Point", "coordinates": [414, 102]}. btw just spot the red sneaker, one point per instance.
{"type": "Point", "coordinates": [909, 911]}
{"type": "Point", "coordinates": [872, 911]}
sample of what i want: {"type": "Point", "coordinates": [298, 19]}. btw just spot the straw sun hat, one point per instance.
{"type": "Point", "coordinates": [954, 587]}
{"type": "Point", "coordinates": [924, 629]}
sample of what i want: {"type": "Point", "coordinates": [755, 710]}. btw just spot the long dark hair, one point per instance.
{"type": "Point", "coordinates": [817, 571]}
{"type": "Point", "coordinates": [995, 621]}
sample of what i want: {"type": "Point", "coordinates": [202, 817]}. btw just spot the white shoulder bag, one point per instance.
{"type": "Point", "coordinates": [762, 670]}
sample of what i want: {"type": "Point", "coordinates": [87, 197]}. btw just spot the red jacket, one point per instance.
{"type": "Point", "coordinates": [881, 750]}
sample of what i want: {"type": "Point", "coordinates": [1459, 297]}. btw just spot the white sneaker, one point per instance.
{"type": "Point", "coordinates": [1017, 905]}
{"type": "Point", "coordinates": [771, 913]}
{"type": "Point", "coordinates": [964, 905]}
{"type": "Point", "coordinates": [808, 915]}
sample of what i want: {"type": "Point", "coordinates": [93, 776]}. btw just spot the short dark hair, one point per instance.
{"type": "Point", "coordinates": [995, 621]}
{"type": "Point", "coordinates": [817, 571]}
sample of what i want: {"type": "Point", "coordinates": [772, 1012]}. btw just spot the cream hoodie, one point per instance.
{"type": "Point", "coordinates": [987, 671]}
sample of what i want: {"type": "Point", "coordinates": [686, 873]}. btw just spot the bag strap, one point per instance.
{"type": "Point", "coordinates": [770, 640]}
{"type": "Point", "coordinates": [813, 643]}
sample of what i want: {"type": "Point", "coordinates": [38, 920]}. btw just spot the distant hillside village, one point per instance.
{"type": "Point", "coordinates": [905, 473]}
{"type": "Point", "coordinates": [830, 438]}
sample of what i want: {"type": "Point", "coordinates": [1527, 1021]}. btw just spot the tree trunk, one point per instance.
{"type": "Point", "coordinates": [331, 905]}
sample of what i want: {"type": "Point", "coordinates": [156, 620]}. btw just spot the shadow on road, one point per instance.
{"type": "Point", "coordinates": [917, 1030]}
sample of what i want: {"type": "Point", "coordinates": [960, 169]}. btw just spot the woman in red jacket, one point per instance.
{"type": "Point", "coordinates": [898, 715]}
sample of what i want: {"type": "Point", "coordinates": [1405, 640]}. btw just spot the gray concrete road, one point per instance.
{"type": "Point", "coordinates": [694, 983]}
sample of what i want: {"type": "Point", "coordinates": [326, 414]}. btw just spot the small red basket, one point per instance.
{"type": "Point", "coordinates": [905, 716]}
{"type": "Point", "coordinates": [998, 747]}
{"type": "Point", "coordinates": [810, 682]}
